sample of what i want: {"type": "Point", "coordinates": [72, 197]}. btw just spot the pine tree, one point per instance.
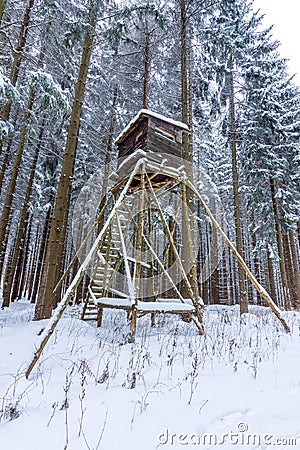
{"type": "Point", "coordinates": [227, 34]}
{"type": "Point", "coordinates": [17, 59]}
{"type": "Point", "coordinates": [58, 228]}
{"type": "Point", "coordinates": [270, 149]}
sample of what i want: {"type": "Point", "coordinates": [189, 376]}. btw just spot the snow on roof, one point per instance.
{"type": "Point", "coordinates": [147, 112]}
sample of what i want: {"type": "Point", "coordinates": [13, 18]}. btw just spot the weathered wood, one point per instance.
{"type": "Point", "coordinates": [152, 134]}
{"type": "Point", "coordinates": [153, 319]}
{"type": "Point", "coordinates": [133, 323]}
{"type": "Point", "coordinates": [100, 316]}
{"type": "Point", "coordinates": [158, 143]}
{"type": "Point", "coordinates": [135, 140]}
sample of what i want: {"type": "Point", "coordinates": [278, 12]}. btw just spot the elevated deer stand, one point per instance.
{"type": "Point", "coordinates": [136, 257]}
{"type": "Point", "coordinates": [139, 267]}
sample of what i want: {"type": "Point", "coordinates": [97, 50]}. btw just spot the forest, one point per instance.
{"type": "Point", "coordinates": [74, 73]}
{"type": "Point", "coordinates": [81, 81]}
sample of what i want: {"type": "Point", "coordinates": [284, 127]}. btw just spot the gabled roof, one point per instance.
{"type": "Point", "coordinates": [147, 113]}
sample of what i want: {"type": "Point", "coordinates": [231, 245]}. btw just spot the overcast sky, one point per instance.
{"type": "Point", "coordinates": [285, 15]}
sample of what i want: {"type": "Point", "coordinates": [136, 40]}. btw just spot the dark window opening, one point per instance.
{"type": "Point", "coordinates": [165, 133]}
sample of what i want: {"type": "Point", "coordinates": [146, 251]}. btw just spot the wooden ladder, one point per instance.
{"type": "Point", "coordinates": [108, 257]}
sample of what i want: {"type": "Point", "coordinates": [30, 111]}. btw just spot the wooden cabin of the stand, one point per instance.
{"type": "Point", "coordinates": [154, 134]}
{"type": "Point", "coordinates": [151, 132]}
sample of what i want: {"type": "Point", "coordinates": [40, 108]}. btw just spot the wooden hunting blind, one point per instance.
{"type": "Point", "coordinates": [151, 132]}
{"type": "Point", "coordinates": [158, 136]}
{"type": "Point", "coordinates": [138, 221]}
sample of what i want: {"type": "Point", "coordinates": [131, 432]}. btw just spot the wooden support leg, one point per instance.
{"type": "Point", "coordinates": [198, 325]}
{"type": "Point", "coordinates": [199, 314]}
{"type": "Point", "coordinates": [133, 323]}
{"type": "Point", "coordinates": [152, 319]}
{"type": "Point", "coordinates": [100, 315]}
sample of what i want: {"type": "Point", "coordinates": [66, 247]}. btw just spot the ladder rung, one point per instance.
{"type": "Point", "coordinates": [111, 249]}
{"type": "Point", "coordinates": [105, 268]}
{"type": "Point", "coordinates": [97, 284]}
{"type": "Point", "coordinates": [102, 273]}
{"type": "Point", "coordinates": [98, 281]}
{"type": "Point", "coordinates": [124, 211]}
{"type": "Point", "coordinates": [102, 269]}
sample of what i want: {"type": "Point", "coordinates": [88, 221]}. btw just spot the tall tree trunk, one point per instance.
{"type": "Point", "coordinates": [21, 272]}
{"type": "Point", "coordinates": [187, 154]}
{"type": "Point", "coordinates": [271, 277]}
{"type": "Point", "coordinates": [146, 70]}
{"type": "Point", "coordinates": [236, 198]}
{"type": "Point", "coordinates": [108, 154]}
{"type": "Point", "coordinates": [290, 271]}
{"type": "Point", "coordinates": [5, 159]}
{"type": "Point", "coordinates": [296, 273]}
{"type": "Point", "coordinates": [58, 227]}
{"type": "Point", "coordinates": [232, 281]}
{"type": "Point", "coordinates": [223, 290]}
{"type": "Point", "coordinates": [284, 280]}
{"type": "Point", "coordinates": [2, 8]}
{"type": "Point", "coordinates": [33, 266]}
{"type": "Point", "coordinates": [256, 264]}
{"type": "Point", "coordinates": [17, 58]}
{"type": "Point", "coordinates": [6, 213]}
{"type": "Point", "coordinates": [5, 162]}
{"type": "Point", "coordinates": [19, 242]}
{"type": "Point", "coordinates": [41, 256]}
{"type": "Point", "coordinates": [215, 270]}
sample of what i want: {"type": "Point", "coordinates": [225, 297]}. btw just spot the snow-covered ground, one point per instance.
{"type": "Point", "coordinates": [238, 386]}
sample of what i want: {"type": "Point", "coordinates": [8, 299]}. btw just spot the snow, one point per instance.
{"type": "Point", "coordinates": [126, 302]}
{"type": "Point", "coordinates": [132, 156]}
{"type": "Point", "coordinates": [164, 306]}
{"type": "Point", "coordinates": [147, 112]}
{"type": "Point", "coordinates": [93, 389]}
{"type": "Point", "coordinates": [169, 305]}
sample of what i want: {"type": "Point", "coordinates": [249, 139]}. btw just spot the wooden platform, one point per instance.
{"type": "Point", "coordinates": [161, 305]}
{"type": "Point", "coordinates": [166, 306]}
